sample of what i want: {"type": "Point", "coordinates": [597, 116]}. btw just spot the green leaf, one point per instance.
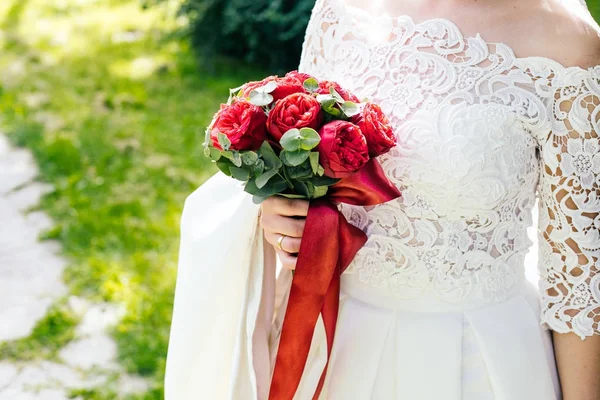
{"type": "Point", "coordinates": [302, 189]}
{"type": "Point", "coordinates": [291, 140]}
{"type": "Point", "coordinates": [214, 154]}
{"type": "Point", "coordinates": [311, 85]}
{"type": "Point", "coordinates": [224, 165]}
{"type": "Point", "coordinates": [207, 138]}
{"type": "Point", "coordinates": [325, 98]}
{"type": "Point", "coordinates": [269, 156]}
{"type": "Point", "coordinates": [240, 174]}
{"type": "Point", "coordinates": [320, 191]}
{"type": "Point", "coordinates": [350, 109]}
{"type": "Point", "coordinates": [262, 180]}
{"type": "Point", "coordinates": [314, 161]}
{"type": "Point", "coordinates": [310, 138]}
{"type": "Point", "coordinates": [249, 157]}
{"type": "Point", "coordinates": [206, 152]}
{"type": "Point", "coordinates": [224, 141]}
{"type": "Point", "coordinates": [260, 99]}
{"type": "Point", "coordinates": [331, 107]}
{"type": "Point", "coordinates": [275, 186]}
{"type": "Point", "coordinates": [233, 156]}
{"type": "Point", "coordinates": [323, 181]}
{"type": "Point", "coordinates": [303, 171]}
{"type": "Point", "coordinates": [335, 95]}
{"type": "Point", "coordinates": [320, 171]}
{"type": "Point", "coordinates": [258, 199]}
{"type": "Point", "coordinates": [258, 168]}
{"type": "Point", "coordinates": [269, 87]}
{"type": "Point", "coordinates": [300, 139]}
{"type": "Point", "coordinates": [294, 158]}
{"type": "Point", "coordinates": [292, 196]}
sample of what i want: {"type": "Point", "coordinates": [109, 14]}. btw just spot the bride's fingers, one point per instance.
{"type": "Point", "coordinates": [288, 261]}
{"type": "Point", "coordinates": [283, 225]}
{"type": "Point", "coordinates": [288, 244]}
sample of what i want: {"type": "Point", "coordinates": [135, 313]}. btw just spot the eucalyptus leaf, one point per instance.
{"type": "Point", "coordinates": [249, 157]}
{"type": "Point", "coordinates": [233, 156]}
{"type": "Point", "coordinates": [301, 188]}
{"type": "Point", "coordinates": [258, 168]}
{"type": "Point", "coordinates": [303, 171]}
{"type": "Point", "coordinates": [335, 95]}
{"type": "Point", "coordinates": [262, 180]}
{"type": "Point", "coordinates": [323, 98]}
{"type": "Point", "coordinates": [224, 165]}
{"type": "Point", "coordinates": [292, 196]}
{"type": "Point", "coordinates": [275, 186]}
{"type": "Point", "coordinates": [258, 200]}
{"type": "Point", "coordinates": [291, 140]}
{"type": "Point", "coordinates": [260, 99]}
{"type": "Point", "coordinates": [207, 138]}
{"type": "Point", "coordinates": [294, 158]}
{"type": "Point", "coordinates": [320, 191]}
{"type": "Point", "coordinates": [269, 87]}
{"type": "Point", "coordinates": [269, 156]}
{"type": "Point", "coordinates": [240, 174]}
{"type": "Point", "coordinates": [350, 109]}
{"type": "Point", "coordinates": [311, 85]}
{"type": "Point", "coordinates": [214, 154]}
{"type": "Point", "coordinates": [224, 141]}
{"type": "Point", "coordinates": [323, 181]}
{"type": "Point", "coordinates": [310, 138]}
{"type": "Point", "coordinates": [314, 161]}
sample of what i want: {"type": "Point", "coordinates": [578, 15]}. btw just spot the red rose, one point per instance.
{"type": "Point", "coordinates": [343, 149]}
{"type": "Point", "coordinates": [377, 129]}
{"type": "Point", "coordinates": [285, 87]}
{"type": "Point", "coordinates": [299, 76]}
{"type": "Point", "coordinates": [243, 123]}
{"type": "Point", "coordinates": [346, 95]}
{"type": "Point", "coordinates": [297, 110]}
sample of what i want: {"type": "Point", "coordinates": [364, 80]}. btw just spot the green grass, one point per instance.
{"type": "Point", "coordinates": [114, 125]}
{"type": "Point", "coordinates": [49, 335]}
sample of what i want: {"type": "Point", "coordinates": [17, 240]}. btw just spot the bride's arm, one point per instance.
{"type": "Point", "coordinates": [579, 366]}
{"type": "Point", "coordinates": [569, 232]}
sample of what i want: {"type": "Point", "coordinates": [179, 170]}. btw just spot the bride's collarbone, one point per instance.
{"type": "Point", "coordinates": [559, 31]}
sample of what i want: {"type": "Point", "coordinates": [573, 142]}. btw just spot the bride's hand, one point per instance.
{"type": "Point", "coordinates": [283, 216]}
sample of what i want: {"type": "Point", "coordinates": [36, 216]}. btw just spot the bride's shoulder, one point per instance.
{"type": "Point", "coordinates": [571, 34]}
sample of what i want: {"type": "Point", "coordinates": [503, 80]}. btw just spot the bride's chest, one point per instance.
{"type": "Point", "coordinates": [465, 116]}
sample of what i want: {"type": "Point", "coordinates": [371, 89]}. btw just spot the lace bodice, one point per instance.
{"type": "Point", "coordinates": [481, 135]}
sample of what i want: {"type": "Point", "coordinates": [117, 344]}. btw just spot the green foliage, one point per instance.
{"type": "Point", "coordinates": [49, 335]}
{"type": "Point", "coordinates": [118, 135]}
{"type": "Point", "coordinates": [266, 32]}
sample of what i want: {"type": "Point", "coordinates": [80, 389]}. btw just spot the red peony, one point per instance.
{"type": "Point", "coordinates": [243, 123]}
{"type": "Point", "coordinates": [346, 95]}
{"type": "Point", "coordinates": [297, 110]}
{"type": "Point", "coordinates": [299, 76]}
{"type": "Point", "coordinates": [343, 149]}
{"type": "Point", "coordinates": [377, 129]}
{"type": "Point", "coordinates": [285, 86]}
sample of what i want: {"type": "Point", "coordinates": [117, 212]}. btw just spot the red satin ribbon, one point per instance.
{"type": "Point", "coordinates": [329, 243]}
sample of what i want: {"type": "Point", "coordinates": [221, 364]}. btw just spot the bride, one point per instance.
{"type": "Point", "coordinates": [496, 104]}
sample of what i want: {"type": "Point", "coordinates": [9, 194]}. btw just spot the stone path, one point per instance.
{"type": "Point", "coordinates": [31, 281]}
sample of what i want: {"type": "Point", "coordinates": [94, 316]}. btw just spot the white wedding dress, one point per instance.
{"type": "Point", "coordinates": [436, 305]}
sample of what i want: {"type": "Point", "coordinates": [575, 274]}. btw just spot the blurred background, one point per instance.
{"type": "Point", "coordinates": [102, 106]}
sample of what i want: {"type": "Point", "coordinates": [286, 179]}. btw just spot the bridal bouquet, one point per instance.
{"type": "Point", "coordinates": [299, 137]}
{"type": "Point", "coordinates": [295, 136]}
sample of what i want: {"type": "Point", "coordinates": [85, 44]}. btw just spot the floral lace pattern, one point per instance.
{"type": "Point", "coordinates": [481, 135]}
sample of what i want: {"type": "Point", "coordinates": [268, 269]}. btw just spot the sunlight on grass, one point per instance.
{"type": "Point", "coordinates": [112, 106]}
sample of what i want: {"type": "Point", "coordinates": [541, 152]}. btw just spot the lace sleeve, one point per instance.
{"type": "Point", "coordinates": [569, 211]}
